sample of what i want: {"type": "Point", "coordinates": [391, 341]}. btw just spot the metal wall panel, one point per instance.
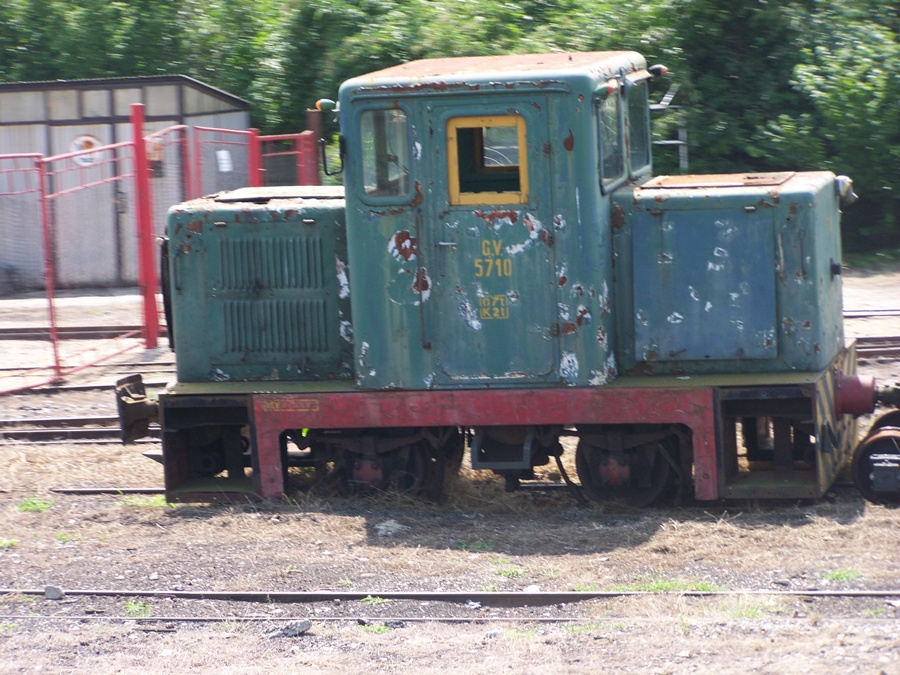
{"type": "Point", "coordinates": [23, 138]}
{"type": "Point", "coordinates": [62, 104]}
{"type": "Point", "coordinates": [96, 103]}
{"type": "Point", "coordinates": [162, 100]}
{"type": "Point", "coordinates": [22, 106]}
{"type": "Point", "coordinates": [123, 98]}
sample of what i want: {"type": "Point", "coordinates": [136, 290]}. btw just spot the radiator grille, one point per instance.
{"type": "Point", "coordinates": [290, 262]}
{"type": "Point", "coordinates": [275, 326]}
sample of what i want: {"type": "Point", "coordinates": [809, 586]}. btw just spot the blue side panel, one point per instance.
{"type": "Point", "coordinates": [704, 287]}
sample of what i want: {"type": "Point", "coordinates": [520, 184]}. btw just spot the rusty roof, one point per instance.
{"type": "Point", "coordinates": [458, 68]}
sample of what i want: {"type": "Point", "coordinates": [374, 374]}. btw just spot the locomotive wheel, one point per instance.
{"type": "Point", "coordinates": [414, 474]}
{"type": "Point", "coordinates": [638, 476]}
{"type": "Point", "coordinates": [890, 419]}
{"type": "Point", "coordinates": [885, 441]}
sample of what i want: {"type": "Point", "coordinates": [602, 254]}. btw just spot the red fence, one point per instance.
{"type": "Point", "coordinates": [124, 192]}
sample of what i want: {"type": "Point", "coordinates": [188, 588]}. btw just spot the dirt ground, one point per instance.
{"type": "Point", "coordinates": [694, 588]}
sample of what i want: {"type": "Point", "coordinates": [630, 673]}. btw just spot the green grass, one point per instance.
{"type": "Point", "coordinates": [584, 588]}
{"type": "Point", "coordinates": [660, 585]}
{"type": "Point", "coordinates": [137, 609]}
{"type": "Point", "coordinates": [378, 630]}
{"type": "Point", "coordinates": [478, 545]}
{"type": "Point", "coordinates": [372, 601]}
{"type": "Point", "coordinates": [64, 538]}
{"type": "Point", "coordinates": [510, 572]}
{"type": "Point", "coordinates": [146, 502]}
{"type": "Point", "coordinates": [6, 627]}
{"type": "Point", "coordinates": [579, 628]}
{"type": "Point", "coordinates": [6, 544]}
{"type": "Point", "coordinates": [34, 505]}
{"type": "Point", "coordinates": [841, 575]}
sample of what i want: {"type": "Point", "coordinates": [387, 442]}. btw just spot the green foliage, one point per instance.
{"type": "Point", "coordinates": [137, 609]}
{"type": "Point", "coordinates": [6, 544]}
{"type": "Point", "coordinates": [146, 502]}
{"type": "Point", "coordinates": [373, 601]}
{"type": "Point", "coordinates": [34, 505]}
{"type": "Point", "coordinates": [764, 85]}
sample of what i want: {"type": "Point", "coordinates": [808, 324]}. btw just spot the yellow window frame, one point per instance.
{"type": "Point", "coordinates": [459, 198]}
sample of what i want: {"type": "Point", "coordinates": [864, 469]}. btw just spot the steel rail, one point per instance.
{"type": "Point", "coordinates": [485, 598]}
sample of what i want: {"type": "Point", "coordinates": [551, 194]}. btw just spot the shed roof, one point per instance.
{"type": "Point", "coordinates": [126, 82]}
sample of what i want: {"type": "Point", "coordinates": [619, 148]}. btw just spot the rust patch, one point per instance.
{"type": "Point", "coordinates": [816, 347]}
{"type": "Point", "coordinates": [618, 217]}
{"type": "Point", "coordinates": [580, 97]}
{"type": "Point", "coordinates": [420, 195]}
{"type": "Point", "coordinates": [569, 142]}
{"type": "Point", "coordinates": [490, 216]}
{"type": "Point", "coordinates": [421, 285]}
{"type": "Point", "coordinates": [583, 316]}
{"type": "Point", "coordinates": [568, 328]}
{"type": "Point", "coordinates": [547, 149]}
{"type": "Point", "coordinates": [403, 246]}
{"type": "Point", "coordinates": [793, 208]}
{"type": "Point", "coordinates": [195, 226]}
{"type": "Point", "coordinates": [562, 280]}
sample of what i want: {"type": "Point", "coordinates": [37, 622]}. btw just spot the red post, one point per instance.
{"type": "Point", "coordinates": [255, 159]}
{"type": "Point", "coordinates": [49, 268]}
{"type": "Point", "coordinates": [307, 159]}
{"type": "Point", "coordinates": [145, 237]}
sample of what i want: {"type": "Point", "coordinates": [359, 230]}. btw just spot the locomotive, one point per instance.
{"type": "Point", "coordinates": [502, 272]}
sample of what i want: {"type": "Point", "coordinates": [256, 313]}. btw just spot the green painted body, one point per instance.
{"type": "Point", "coordinates": [259, 286]}
{"type": "Point", "coordinates": [728, 274]}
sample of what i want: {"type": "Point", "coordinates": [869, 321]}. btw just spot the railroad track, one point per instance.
{"type": "Point", "coordinates": [64, 428]}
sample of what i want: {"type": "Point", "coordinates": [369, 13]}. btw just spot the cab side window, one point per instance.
{"type": "Point", "coordinates": [385, 153]}
{"type": "Point", "coordinates": [638, 129]}
{"type": "Point", "coordinates": [609, 132]}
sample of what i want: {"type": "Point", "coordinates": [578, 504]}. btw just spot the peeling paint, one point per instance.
{"type": "Point", "coordinates": [582, 316]}
{"type": "Point", "coordinates": [568, 367]}
{"type": "Point", "coordinates": [422, 284]}
{"type": "Point", "coordinates": [562, 310]}
{"type": "Point", "coordinates": [429, 381]}
{"type": "Point", "coordinates": [559, 223]}
{"type": "Point", "coordinates": [535, 232]}
{"type": "Point", "coordinates": [402, 246]}
{"type": "Point", "coordinates": [675, 318]}
{"type": "Point", "coordinates": [342, 278]}
{"type": "Point", "coordinates": [513, 296]}
{"type": "Point", "coordinates": [498, 218]}
{"type": "Point", "coordinates": [346, 331]}
{"type": "Point", "coordinates": [569, 141]}
{"type": "Point", "coordinates": [719, 252]}
{"type": "Point", "coordinates": [417, 151]}
{"type": "Point", "coordinates": [708, 306]}
{"type": "Point", "coordinates": [467, 312]}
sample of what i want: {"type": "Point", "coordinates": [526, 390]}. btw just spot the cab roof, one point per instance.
{"type": "Point", "coordinates": [477, 70]}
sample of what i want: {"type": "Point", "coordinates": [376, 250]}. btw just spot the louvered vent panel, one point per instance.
{"type": "Point", "coordinates": [251, 264]}
{"type": "Point", "coordinates": [275, 326]}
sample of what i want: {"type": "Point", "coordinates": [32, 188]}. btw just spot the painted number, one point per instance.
{"type": "Point", "coordinates": [491, 264]}
{"type": "Point", "coordinates": [493, 307]}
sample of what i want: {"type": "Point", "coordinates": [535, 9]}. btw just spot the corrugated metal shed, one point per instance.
{"type": "Point", "coordinates": [50, 117]}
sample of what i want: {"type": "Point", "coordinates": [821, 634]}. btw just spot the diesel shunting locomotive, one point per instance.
{"type": "Point", "coordinates": [499, 272]}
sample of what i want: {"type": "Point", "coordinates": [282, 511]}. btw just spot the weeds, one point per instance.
{"type": "Point", "coordinates": [578, 629]}
{"type": "Point", "coordinates": [510, 572]}
{"type": "Point", "coordinates": [34, 505]}
{"type": "Point", "coordinates": [372, 601]}
{"type": "Point", "coordinates": [6, 544]}
{"type": "Point", "coordinates": [6, 627]}
{"type": "Point", "coordinates": [146, 502]}
{"type": "Point", "coordinates": [479, 545]}
{"type": "Point", "coordinates": [842, 575]}
{"type": "Point", "coordinates": [137, 609]}
{"type": "Point", "coordinates": [584, 588]}
{"type": "Point", "coordinates": [378, 630]}
{"type": "Point", "coordinates": [64, 538]}
{"type": "Point", "coordinates": [659, 585]}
